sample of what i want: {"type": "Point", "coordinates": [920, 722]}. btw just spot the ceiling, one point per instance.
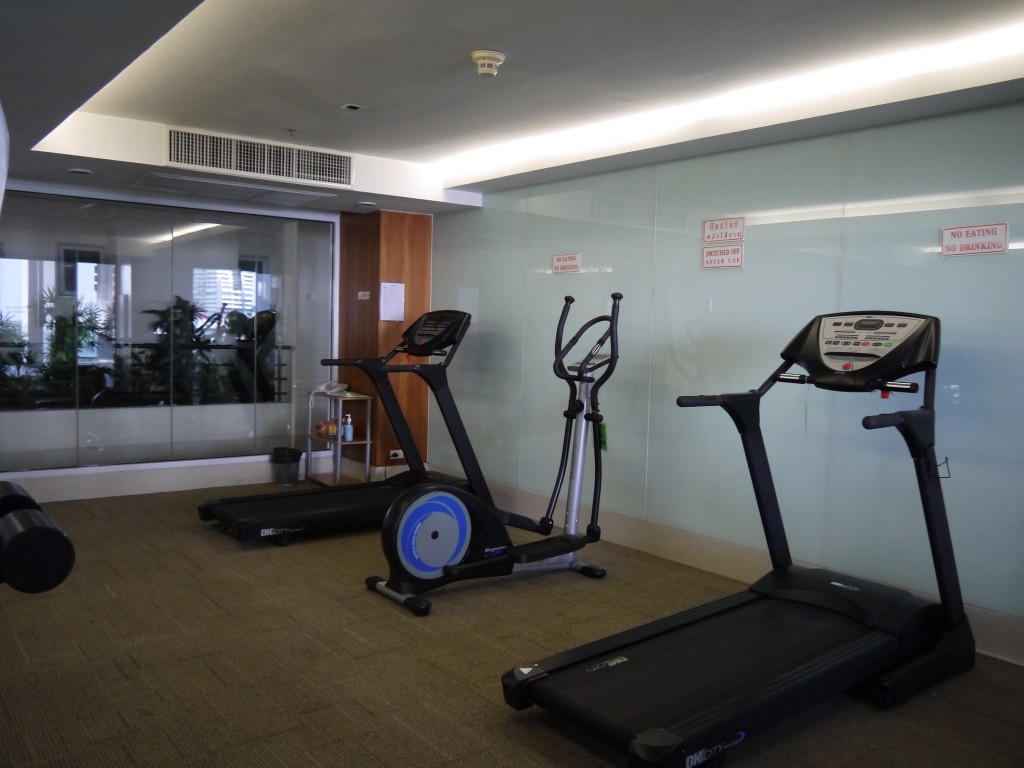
{"type": "Point", "coordinates": [283, 73]}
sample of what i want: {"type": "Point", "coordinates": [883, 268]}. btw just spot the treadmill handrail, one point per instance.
{"type": "Point", "coordinates": [436, 377]}
{"type": "Point", "coordinates": [376, 370]}
{"type": "Point", "coordinates": [745, 410]}
{"type": "Point", "coordinates": [917, 428]}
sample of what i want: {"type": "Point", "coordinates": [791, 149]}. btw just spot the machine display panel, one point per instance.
{"type": "Point", "coordinates": [851, 342]}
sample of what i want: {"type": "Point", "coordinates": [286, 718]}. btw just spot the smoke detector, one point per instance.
{"type": "Point", "coordinates": [487, 62]}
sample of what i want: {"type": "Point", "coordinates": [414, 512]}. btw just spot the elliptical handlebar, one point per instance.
{"type": "Point", "coordinates": [586, 366]}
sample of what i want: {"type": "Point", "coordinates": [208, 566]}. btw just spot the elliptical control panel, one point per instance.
{"type": "Point", "coordinates": [860, 351]}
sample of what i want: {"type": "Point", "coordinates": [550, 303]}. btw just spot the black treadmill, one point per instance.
{"type": "Point", "coordinates": [683, 689]}
{"type": "Point", "coordinates": [280, 516]}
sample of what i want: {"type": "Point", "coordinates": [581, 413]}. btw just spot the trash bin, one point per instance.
{"type": "Point", "coordinates": [285, 463]}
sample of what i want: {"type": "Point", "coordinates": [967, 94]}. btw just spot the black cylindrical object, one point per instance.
{"type": "Point", "coordinates": [35, 554]}
{"type": "Point", "coordinates": [13, 496]}
{"type": "Point", "coordinates": [285, 455]}
{"type": "Point", "coordinates": [286, 465]}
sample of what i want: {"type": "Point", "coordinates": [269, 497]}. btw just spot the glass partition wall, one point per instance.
{"type": "Point", "coordinates": [133, 333]}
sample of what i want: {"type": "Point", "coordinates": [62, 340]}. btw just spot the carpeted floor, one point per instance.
{"type": "Point", "coordinates": [174, 645]}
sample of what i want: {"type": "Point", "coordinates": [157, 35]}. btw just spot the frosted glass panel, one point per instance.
{"type": "Point", "coordinates": [609, 221]}
{"type": "Point", "coordinates": [842, 223]}
{"type": "Point", "coordinates": [946, 172]}
{"type": "Point", "coordinates": [478, 268]}
{"type": "Point", "coordinates": [721, 330]}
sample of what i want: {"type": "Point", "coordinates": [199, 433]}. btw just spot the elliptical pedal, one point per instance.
{"type": "Point", "coordinates": [543, 549]}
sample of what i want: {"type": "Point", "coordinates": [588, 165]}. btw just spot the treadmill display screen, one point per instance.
{"type": "Point", "coordinates": [851, 342]}
{"type": "Point", "coordinates": [435, 332]}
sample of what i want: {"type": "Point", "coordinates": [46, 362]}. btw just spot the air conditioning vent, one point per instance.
{"type": "Point", "coordinates": [257, 158]}
{"type": "Point", "coordinates": [323, 166]}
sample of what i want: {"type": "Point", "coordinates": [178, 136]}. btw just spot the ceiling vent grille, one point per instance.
{"type": "Point", "coordinates": [256, 158]}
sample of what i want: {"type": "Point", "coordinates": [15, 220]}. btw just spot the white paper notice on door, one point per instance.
{"type": "Point", "coordinates": [392, 301]}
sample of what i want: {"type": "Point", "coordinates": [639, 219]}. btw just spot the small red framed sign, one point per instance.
{"type": "Point", "coordinates": [975, 239]}
{"type": "Point", "coordinates": [717, 230]}
{"type": "Point", "coordinates": [567, 262]}
{"type": "Point", "coordinates": [722, 256]}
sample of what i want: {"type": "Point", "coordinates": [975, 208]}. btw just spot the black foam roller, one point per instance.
{"type": "Point", "coordinates": [35, 554]}
{"type": "Point", "coordinates": [13, 496]}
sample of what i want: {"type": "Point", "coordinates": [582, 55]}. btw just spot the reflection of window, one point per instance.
{"type": "Point", "coordinates": [13, 300]}
{"type": "Point", "coordinates": [234, 290]}
{"type": "Point", "coordinates": [84, 278]}
{"type": "Point", "coordinates": [67, 266]}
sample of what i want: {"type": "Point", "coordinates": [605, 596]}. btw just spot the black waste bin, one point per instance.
{"type": "Point", "coordinates": [285, 463]}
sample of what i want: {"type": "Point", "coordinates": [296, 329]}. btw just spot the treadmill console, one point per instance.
{"type": "Point", "coordinates": [860, 351]}
{"type": "Point", "coordinates": [435, 332]}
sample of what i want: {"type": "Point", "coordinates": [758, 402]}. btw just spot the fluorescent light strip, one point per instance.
{"type": "Point", "coordinates": [977, 198]}
{"type": "Point", "coordinates": [188, 229]}
{"type": "Point", "coordinates": [610, 136]}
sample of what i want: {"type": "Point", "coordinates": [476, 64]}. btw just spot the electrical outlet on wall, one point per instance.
{"type": "Point", "coordinates": [396, 454]}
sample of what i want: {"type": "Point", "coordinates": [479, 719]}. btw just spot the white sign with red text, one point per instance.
{"type": "Point", "coordinates": [975, 239]}
{"type": "Point", "coordinates": [716, 230]}
{"type": "Point", "coordinates": [567, 262]}
{"type": "Point", "coordinates": [722, 256]}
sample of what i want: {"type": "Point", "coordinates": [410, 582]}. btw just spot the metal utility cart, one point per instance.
{"type": "Point", "coordinates": [339, 403]}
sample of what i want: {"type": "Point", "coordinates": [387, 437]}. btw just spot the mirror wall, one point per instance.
{"type": "Point", "coordinates": [133, 333]}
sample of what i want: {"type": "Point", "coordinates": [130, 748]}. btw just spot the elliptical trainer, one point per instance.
{"type": "Point", "coordinates": [436, 534]}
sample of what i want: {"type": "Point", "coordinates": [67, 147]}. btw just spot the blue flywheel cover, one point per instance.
{"type": "Point", "coordinates": [434, 532]}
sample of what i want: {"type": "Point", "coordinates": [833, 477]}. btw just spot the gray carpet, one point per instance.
{"type": "Point", "coordinates": [174, 645]}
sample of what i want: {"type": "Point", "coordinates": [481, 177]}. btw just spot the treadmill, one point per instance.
{"type": "Point", "coordinates": [683, 689]}
{"type": "Point", "coordinates": [280, 516]}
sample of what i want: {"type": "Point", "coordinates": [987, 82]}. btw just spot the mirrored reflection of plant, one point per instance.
{"type": "Point", "coordinates": [54, 377]}
{"type": "Point", "coordinates": [17, 362]}
{"type": "Point", "coordinates": [72, 324]}
{"type": "Point", "coordinates": [181, 362]}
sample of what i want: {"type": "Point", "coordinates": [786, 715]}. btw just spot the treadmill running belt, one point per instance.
{"type": "Point", "coordinates": [361, 506]}
{"type": "Point", "coordinates": [675, 678]}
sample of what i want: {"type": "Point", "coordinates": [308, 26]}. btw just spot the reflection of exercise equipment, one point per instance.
{"type": "Point", "coordinates": [254, 374]}
{"type": "Point", "coordinates": [434, 535]}
{"type": "Point", "coordinates": [684, 688]}
{"type": "Point", "coordinates": [35, 554]}
{"type": "Point", "coordinates": [280, 516]}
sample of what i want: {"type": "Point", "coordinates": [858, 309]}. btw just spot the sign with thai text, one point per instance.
{"type": "Point", "coordinates": [716, 230]}
{"type": "Point", "coordinates": [975, 239]}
